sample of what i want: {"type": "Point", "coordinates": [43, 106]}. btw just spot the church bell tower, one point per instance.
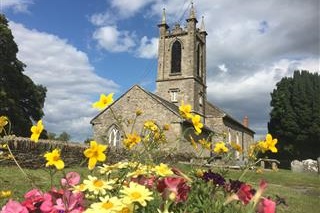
{"type": "Point", "coordinates": [182, 63]}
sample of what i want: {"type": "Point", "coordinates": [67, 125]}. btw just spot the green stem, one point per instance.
{"type": "Point", "coordinates": [16, 162]}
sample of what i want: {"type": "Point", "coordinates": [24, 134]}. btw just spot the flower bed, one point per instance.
{"type": "Point", "coordinates": [142, 182]}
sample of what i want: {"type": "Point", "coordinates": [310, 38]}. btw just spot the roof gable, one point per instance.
{"type": "Point", "coordinates": [170, 106]}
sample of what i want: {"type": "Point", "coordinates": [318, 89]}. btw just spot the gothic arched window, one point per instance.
{"type": "Point", "coordinates": [176, 57]}
{"type": "Point", "coordinates": [198, 60]}
{"type": "Point", "coordinates": [114, 136]}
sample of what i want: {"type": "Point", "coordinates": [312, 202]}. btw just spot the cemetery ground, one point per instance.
{"type": "Point", "coordinates": [301, 191]}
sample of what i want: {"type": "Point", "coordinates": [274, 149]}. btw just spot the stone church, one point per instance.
{"type": "Point", "coordinates": [181, 76]}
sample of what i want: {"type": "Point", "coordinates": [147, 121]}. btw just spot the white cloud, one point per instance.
{"type": "Point", "coordinates": [251, 45]}
{"type": "Point", "coordinates": [109, 38]}
{"type": "Point", "coordinates": [68, 76]}
{"type": "Point", "coordinates": [127, 8]}
{"type": "Point", "coordinates": [148, 48]}
{"type": "Point", "coordinates": [223, 68]}
{"type": "Point", "coordinates": [16, 5]}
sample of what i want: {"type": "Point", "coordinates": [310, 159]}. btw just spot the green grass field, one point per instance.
{"type": "Point", "coordinates": [301, 190]}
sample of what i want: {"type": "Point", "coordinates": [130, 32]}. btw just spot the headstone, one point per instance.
{"type": "Point", "coordinates": [310, 165]}
{"type": "Point", "coordinates": [296, 166]}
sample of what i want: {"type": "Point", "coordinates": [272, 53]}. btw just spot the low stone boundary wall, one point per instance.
{"type": "Point", "coordinates": [30, 154]}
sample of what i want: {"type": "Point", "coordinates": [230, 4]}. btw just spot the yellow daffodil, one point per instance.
{"type": "Point", "coordinates": [131, 140]}
{"type": "Point", "coordinates": [3, 122]}
{"type": "Point", "coordinates": [107, 205]}
{"type": "Point", "coordinates": [220, 148]}
{"type": "Point", "coordinates": [163, 170]}
{"type": "Point", "coordinates": [196, 121]}
{"type": "Point", "coordinates": [263, 146]}
{"type": "Point", "coordinates": [53, 159]}
{"type": "Point", "coordinates": [236, 147]}
{"type": "Point", "coordinates": [5, 194]}
{"type": "Point", "coordinates": [103, 102]}
{"type": "Point", "coordinates": [271, 143]}
{"type": "Point", "coordinates": [98, 186]}
{"type": "Point", "coordinates": [95, 153]}
{"type": "Point", "coordinates": [185, 110]}
{"type": "Point", "coordinates": [151, 126]}
{"type": "Point", "coordinates": [36, 131]}
{"type": "Point", "coordinates": [136, 193]}
{"type": "Point", "coordinates": [205, 144]}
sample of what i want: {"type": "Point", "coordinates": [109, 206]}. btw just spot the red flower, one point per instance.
{"type": "Point", "coordinates": [266, 206]}
{"type": "Point", "coordinates": [33, 199]}
{"type": "Point", "coordinates": [245, 193]}
{"type": "Point", "coordinates": [174, 188]}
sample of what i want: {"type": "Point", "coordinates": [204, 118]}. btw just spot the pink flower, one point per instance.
{"type": "Point", "coordinates": [266, 206]}
{"type": "Point", "coordinates": [47, 205]}
{"type": "Point", "coordinates": [74, 201]}
{"type": "Point", "coordinates": [71, 179]}
{"type": "Point", "coordinates": [245, 193]}
{"type": "Point", "coordinates": [174, 188]}
{"type": "Point", "coordinates": [14, 207]}
{"type": "Point", "coordinates": [32, 199]}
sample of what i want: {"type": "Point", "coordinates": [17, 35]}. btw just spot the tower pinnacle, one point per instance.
{"type": "Point", "coordinates": [202, 27]}
{"type": "Point", "coordinates": [192, 12]}
{"type": "Point", "coordinates": [163, 21]}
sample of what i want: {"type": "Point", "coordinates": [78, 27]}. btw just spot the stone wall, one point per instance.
{"type": "Point", "coordinates": [30, 154]}
{"type": "Point", "coordinates": [124, 110]}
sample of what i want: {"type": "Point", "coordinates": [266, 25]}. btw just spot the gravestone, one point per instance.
{"type": "Point", "coordinates": [296, 166]}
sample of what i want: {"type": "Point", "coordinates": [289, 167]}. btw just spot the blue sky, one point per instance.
{"type": "Point", "coordinates": [79, 49]}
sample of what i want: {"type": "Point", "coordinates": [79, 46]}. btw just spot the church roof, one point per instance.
{"type": "Point", "coordinates": [225, 115]}
{"type": "Point", "coordinates": [170, 106]}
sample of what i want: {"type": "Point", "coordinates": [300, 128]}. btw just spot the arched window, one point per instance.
{"type": "Point", "coordinates": [114, 136]}
{"type": "Point", "coordinates": [198, 61]}
{"type": "Point", "coordinates": [176, 57]}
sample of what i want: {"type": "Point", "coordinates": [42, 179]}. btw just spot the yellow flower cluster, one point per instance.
{"type": "Point", "coordinates": [268, 144]}
{"type": "Point", "coordinates": [132, 194]}
{"type": "Point", "coordinates": [5, 194]}
{"type": "Point", "coordinates": [220, 148]}
{"type": "Point", "coordinates": [104, 101]}
{"type": "Point", "coordinates": [53, 159]}
{"type": "Point", "coordinates": [36, 131]}
{"type": "Point", "coordinates": [185, 112]}
{"type": "Point", "coordinates": [95, 154]}
{"type": "Point", "coordinates": [131, 140]}
{"type": "Point", "coordinates": [3, 122]}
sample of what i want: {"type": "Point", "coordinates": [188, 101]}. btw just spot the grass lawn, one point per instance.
{"type": "Point", "coordinates": [301, 190]}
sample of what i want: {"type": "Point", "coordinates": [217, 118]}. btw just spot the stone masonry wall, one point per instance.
{"type": "Point", "coordinates": [30, 154]}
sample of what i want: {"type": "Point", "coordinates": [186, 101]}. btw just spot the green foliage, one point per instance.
{"type": "Point", "coordinates": [20, 99]}
{"type": "Point", "coordinates": [64, 136]}
{"type": "Point", "coordinates": [295, 115]}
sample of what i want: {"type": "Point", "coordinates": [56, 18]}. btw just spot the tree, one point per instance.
{"type": "Point", "coordinates": [20, 99]}
{"type": "Point", "coordinates": [64, 136]}
{"type": "Point", "coordinates": [295, 116]}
